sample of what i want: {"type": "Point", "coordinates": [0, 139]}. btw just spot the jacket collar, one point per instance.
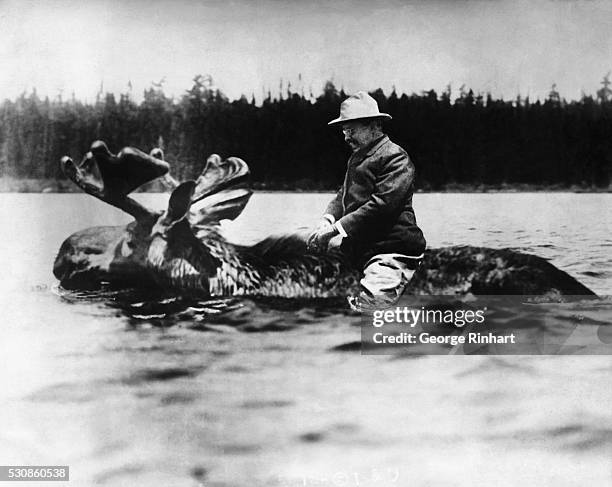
{"type": "Point", "coordinates": [369, 149]}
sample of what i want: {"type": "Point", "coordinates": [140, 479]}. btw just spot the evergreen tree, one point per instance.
{"type": "Point", "coordinates": [472, 140]}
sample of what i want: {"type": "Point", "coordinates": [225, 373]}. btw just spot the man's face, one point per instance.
{"type": "Point", "coordinates": [357, 134]}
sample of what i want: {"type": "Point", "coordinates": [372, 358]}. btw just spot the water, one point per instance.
{"type": "Point", "coordinates": [256, 394]}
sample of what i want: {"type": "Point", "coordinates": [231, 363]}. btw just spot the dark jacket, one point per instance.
{"type": "Point", "coordinates": [374, 205]}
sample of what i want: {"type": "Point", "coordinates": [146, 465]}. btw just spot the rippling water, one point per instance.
{"type": "Point", "coordinates": [143, 391]}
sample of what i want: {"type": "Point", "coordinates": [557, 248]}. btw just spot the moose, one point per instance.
{"type": "Point", "coordinates": [183, 249]}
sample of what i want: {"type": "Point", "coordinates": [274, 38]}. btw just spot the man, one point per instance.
{"type": "Point", "coordinates": [373, 208]}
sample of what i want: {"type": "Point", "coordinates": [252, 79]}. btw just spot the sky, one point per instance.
{"type": "Point", "coordinates": [497, 46]}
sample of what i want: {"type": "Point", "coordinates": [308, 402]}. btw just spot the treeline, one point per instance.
{"type": "Point", "coordinates": [472, 139]}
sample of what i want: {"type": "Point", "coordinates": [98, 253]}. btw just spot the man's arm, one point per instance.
{"type": "Point", "coordinates": [335, 209]}
{"type": "Point", "coordinates": [393, 185]}
{"type": "Point", "coordinates": [327, 229]}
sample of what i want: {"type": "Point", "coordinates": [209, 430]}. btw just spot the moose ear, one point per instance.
{"type": "Point", "coordinates": [226, 205]}
{"type": "Point", "coordinates": [180, 202]}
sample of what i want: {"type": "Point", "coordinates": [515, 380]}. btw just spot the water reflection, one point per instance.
{"type": "Point", "coordinates": [538, 325]}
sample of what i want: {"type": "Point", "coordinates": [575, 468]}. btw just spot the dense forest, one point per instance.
{"type": "Point", "coordinates": [471, 141]}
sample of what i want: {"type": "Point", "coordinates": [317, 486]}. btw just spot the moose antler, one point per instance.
{"type": "Point", "coordinates": [111, 178]}
{"type": "Point", "coordinates": [219, 175]}
{"type": "Point", "coordinates": [126, 171]}
{"type": "Point", "coordinates": [222, 190]}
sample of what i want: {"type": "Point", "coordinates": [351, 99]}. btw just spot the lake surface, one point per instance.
{"type": "Point", "coordinates": [256, 395]}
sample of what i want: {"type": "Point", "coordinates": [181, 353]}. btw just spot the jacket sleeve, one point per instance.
{"type": "Point", "coordinates": [335, 208]}
{"type": "Point", "coordinates": [393, 186]}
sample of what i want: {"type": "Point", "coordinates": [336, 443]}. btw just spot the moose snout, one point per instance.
{"type": "Point", "coordinates": [71, 269]}
{"type": "Point", "coordinates": [84, 258]}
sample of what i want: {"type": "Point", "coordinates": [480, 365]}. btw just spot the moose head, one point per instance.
{"type": "Point", "coordinates": [177, 247]}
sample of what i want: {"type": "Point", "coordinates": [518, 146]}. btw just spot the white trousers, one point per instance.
{"type": "Point", "coordinates": [385, 276]}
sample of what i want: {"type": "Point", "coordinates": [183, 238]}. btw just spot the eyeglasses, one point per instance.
{"type": "Point", "coordinates": [348, 130]}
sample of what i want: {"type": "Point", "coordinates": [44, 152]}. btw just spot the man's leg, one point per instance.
{"type": "Point", "coordinates": [385, 276]}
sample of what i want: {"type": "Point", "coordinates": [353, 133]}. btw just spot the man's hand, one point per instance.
{"type": "Point", "coordinates": [323, 225]}
{"type": "Point", "coordinates": [321, 235]}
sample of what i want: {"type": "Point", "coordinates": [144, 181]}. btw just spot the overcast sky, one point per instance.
{"type": "Point", "coordinates": [506, 47]}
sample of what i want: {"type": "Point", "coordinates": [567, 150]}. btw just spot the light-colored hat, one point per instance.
{"type": "Point", "coordinates": [359, 105]}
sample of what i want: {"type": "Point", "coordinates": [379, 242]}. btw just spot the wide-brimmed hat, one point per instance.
{"type": "Point", "coordinates": [358, 106]}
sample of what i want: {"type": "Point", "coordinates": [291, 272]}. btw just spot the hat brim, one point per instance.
{"type": "Point", "coordinates": [339, 120]}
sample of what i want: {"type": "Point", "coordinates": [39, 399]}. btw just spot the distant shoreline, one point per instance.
{"type": "Point", "coordinates": [29, 185]}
